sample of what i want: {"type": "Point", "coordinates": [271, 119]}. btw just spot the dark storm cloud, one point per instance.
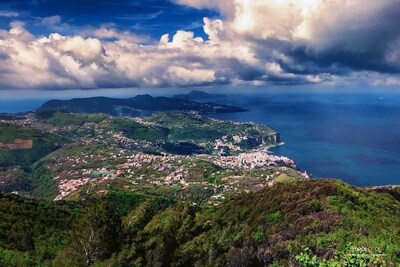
{"type": "Point", "coordinates": [373, 45]}
{"type": "Point", "coordinates": [362, 47]}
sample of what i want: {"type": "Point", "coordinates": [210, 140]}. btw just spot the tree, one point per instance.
{"type": "Point", "coordinates": [96, 233]}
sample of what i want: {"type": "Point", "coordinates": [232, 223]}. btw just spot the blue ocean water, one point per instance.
{"type": "Point", "coordinates": [15, 106]}
{"type": "Point", "coordinates": [352, 137]}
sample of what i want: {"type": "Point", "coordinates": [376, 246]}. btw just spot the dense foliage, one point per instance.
{"type": "Point", "coordinates": [309, 223]}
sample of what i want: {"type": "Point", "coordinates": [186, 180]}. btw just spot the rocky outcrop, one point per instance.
{"type": "Point", "coordinates": [274, 138]}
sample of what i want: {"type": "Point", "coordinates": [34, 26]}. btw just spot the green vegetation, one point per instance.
{"type": "Point", "coordinates": [34, 229]}
{"type": "Point", "coordinates": [351, 256]}
{"type": "Point", "coordinates": [19, 168]}
{"type": "Point", "coordinates": [10, 132]}
{"type": "Point", "coordinates": [123, 207]}
{"type": "Point", "coordinates": [63, 119]}
{"type": "Point", "coordinates": [199, 129]}
{"type": "Point", "coordinates": [136, 130]}
{"type": "Point", "coordinates": [310, 223]}
{"type": "Point", "coordinates": [43, 144]}
{"type": "Point", "coordinates": [284, 178]}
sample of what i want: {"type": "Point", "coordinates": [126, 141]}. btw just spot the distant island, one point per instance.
{"type": "Point", "coordinates": [198, 95]}
{"type": "Point", "coordinates": [133, 107]}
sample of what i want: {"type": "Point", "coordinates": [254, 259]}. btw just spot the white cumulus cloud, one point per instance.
{"type": "Point", "coordinates": [254, 42]}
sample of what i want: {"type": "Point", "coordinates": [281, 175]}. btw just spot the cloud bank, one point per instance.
{"type": "Point", "coordinates": [257, 42]}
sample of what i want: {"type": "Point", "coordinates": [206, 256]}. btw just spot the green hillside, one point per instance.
{"type": "Point", "coordinates": [43, 144]}
{"type": "Point", "coordinates": [172, 132]}
{"type": "Point", "coordinates": [203, 129]}
{"type": "Point", "coordinates": [309, 223]}
{"type": "Point", "coordinates": [200, 130]}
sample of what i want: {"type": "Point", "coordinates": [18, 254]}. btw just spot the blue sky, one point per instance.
{"type": "Point", "coordinates": [59, 45]}
{"type": "Point", "coordinates": [150, 17]}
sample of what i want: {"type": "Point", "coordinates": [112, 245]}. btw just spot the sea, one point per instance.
{"type": "Point", "coordinates": [15, 106]}
{"type": "Point", "coordinates": [354, 137]}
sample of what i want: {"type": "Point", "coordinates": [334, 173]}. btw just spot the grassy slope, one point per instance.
{"type": "Point", "coordinates": [274, 225]}
{"type": "Point", "coordinates": [10, 132]}
{"type": "Point", "coordinates": [43, 144]}
{"type": "Point", "coordinates": [270, 226]}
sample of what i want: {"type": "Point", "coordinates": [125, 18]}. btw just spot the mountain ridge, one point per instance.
{"type": "Point", "coordinates": [134, 106]}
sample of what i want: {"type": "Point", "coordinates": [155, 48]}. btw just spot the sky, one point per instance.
{"type": "Point", "coordinates": [59, 45]}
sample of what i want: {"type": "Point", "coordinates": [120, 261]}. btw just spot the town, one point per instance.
{"type": "Point", "coordinates": [166, 153]}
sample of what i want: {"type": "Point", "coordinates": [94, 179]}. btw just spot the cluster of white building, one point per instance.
{"type": "Point", "coordinates": [253, 160]}
{"type": "Point", "coordinates": [66, 187]}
